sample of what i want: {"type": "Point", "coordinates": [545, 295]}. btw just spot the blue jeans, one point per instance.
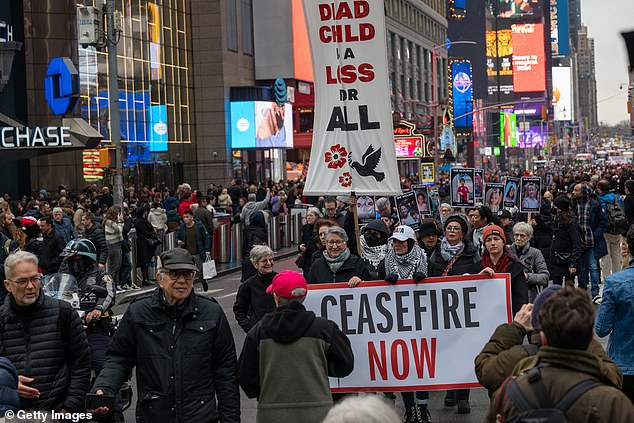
{"type": "Point", "coordinates": [588, 263]}
{"type": "Point", "coordinates": [409, 401]}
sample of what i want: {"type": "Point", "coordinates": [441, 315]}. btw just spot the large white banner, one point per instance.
{"type": "Point", "coordinates": [409, 337]}
{"type": "Point", "coordinates": [562, 93]}
{"type": "Point", "coordinates": [353, 141]}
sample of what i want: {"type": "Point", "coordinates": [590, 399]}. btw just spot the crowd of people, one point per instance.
{"type": "Point", "coordinates": [557, 260]}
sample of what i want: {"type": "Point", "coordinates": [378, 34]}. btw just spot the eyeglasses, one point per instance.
{"type": "Point", "coordinates": [23, 282]}
{"type": "Point", "coordinates": [335, 242]}
{"type": "Point", "coordinates": [453, 229]}
{"type": "Point", "coordinates": [176, 274]}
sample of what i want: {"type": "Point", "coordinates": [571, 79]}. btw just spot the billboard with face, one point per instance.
{"type": "Point", "coordinates": [528, 57]}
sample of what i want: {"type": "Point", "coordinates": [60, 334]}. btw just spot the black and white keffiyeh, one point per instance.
{"type": "Point", "coordinates": [406, 265]}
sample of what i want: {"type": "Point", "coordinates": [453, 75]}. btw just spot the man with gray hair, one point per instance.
{"type": "Point", "coordinates": [252, 206]}
{"type": "Point", "coordinates": [287, 357]}
{"type": "Point", "coordinates": [365, 409]}
{"type": "Point", "coordinates": [63, 225]}
{"type": "Point", "coordinates": [44, 339]}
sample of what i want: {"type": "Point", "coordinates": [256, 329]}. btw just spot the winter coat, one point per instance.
{"type": "Point", "coordinates": [158, 219]}
{"type": "Point", "coordinates": [224, 199]}
{"type": "Point", "coordinates": [46, 341]}
{"type": "Point", "coordinates": [65, 227]}
{"type": "Point", "coordinates": [203, 241]}
{"type": "Point", "coordinates": [251, 207]}
{"type": "Point", "coordinates": [170, 203]}
{"type": "Point", "coordinates": [519, 287]}
{"type": "Point", "coordinates": [566, 239]}
{"type": "Point", "coordinates": [564, 369]}
{"type": "Point", "coordinates": [506, 349]}
{"type": "Point", "coordinates": [184, 205]}
{"type": "Point", "coordinates": [252, 300]}
{"type": "Point", "coordinates": [598, 224]}
{"type": "Point", "coordinates": [629, 208]}
{"type": "Point", "coordinates": [173, 220]}
{"type": "Point", "coordinates": [184, 357]}
{"type": "Point", "coordinates": [320, 271]}
{"type": "Point", "coordinates": [254, 234]}
{"type": "Point", "coordinates": [543, 232]}
{"type": "Point", "coordinates": [468, 262]}
{"type": "Point", "coordinates": [97, 237]}
{"type": "Point", "coordinates": [205, 217]}
{"type": "Point", "coordinates": [9, 399]}
{"type": "Point", "coordinates": [295, 389]}
{"type": "Point", "coordinates": [114, 232]}
{"type": "Point", "coordinates": [144, 230]}
{"type": "Point", "coordinates": [535, 268]}
{"type": "Point", "coordinates": [52, 246]}
{"type": "Point", "coordinates": [616, 318]}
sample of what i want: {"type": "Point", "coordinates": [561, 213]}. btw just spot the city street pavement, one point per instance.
{"type": "Point", "coordinates": [224, 289]}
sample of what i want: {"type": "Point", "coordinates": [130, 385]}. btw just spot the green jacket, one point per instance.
{"type": "Point", "coordinates": [566, 368]}
{"type": "Point", "coordinates": [504, 352]}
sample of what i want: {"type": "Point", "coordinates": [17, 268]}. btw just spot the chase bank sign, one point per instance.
{"type": "Point", "coordinates": [61, 86]}
{"type": "Point", "coordinates": [28, 138]}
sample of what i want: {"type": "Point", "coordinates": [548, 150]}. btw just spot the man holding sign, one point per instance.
{"type": "Point", "coordinates": [288, 356]}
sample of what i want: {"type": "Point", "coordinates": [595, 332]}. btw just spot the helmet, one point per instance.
{"type": "Point", "coordinates": [82, 247]}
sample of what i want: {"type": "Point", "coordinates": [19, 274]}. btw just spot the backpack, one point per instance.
{"type": "Point", "coordinates": [546, 411]}
{"type": "Point", "coordinates": [616, 218]}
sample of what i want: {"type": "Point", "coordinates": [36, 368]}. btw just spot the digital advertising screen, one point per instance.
{"type": "Point", "coordinates": [562, 93]}
{"type": "Point", "coordinates": [462, 93]}
{"type": "Point", "coordinates": [157, 128]}
{"type": "Point", "coordinates": [528, 57]}
{"type": "Point", "coordinates": [499, 53]}
{"type": "Point", "coordinates": [518, 8]}
{"type": "Point", "coordinates": [559, 38]}
{"type": "Point", "coordinates": [261, 124]}
{"type": "Point", "coordinates": [534, 137]}
{"type": "Point", "coordinates": [508, 128]}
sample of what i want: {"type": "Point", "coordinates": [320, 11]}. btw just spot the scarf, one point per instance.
{"type": "Point", "coordinates": [500, 266]}
{"type": "Point", "coordinates": [335, 263]}
{"type": "Point", "coordinates": [406, 265]}
{"type": "Point", "coordinates": [374, 255]}
{"type": "Point", "coordinates": [447, 251]}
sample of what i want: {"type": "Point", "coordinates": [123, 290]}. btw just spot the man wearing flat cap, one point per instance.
{"type": "Point", "coordinates": [182, 347]}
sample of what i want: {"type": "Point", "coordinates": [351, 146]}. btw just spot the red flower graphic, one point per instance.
{"type": "Point", "coordinates": [336, 157]}
{"type": "Point", "coordinates": [346, 179]}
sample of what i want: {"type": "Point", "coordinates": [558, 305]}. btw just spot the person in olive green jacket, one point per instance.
{"type": "Point", "coordinates": [563, 362]}
{"type": "Point", "coordinates": [505, 354]}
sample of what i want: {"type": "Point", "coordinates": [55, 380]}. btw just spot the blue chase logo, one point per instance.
{"type": "Point", "coordinates": [61, 86]}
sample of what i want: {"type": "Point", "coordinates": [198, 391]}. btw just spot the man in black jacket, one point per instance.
{"type": "Point", "coordinates": [182, 347]}
{"type": "Point", "coordinates": [294, 349]}
{"type": "Point", "coordinates": [52, 246]}
{"type": "Point", "coordinates": [94, 234]}
{"type": "Point", "coordinates": [44, 339]}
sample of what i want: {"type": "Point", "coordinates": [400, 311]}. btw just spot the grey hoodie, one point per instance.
{"type": "Point", "coordinates": [253, 206]}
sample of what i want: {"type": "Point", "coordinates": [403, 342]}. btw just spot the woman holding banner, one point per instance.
{"type": "Point", "coordinates": [404, 259]}
{"type": "Point", "coordinates": [456, 255]}
{"type": "Point", "coordinates": [337, 264]}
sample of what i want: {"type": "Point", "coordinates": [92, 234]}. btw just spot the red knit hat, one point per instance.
{"type": "Point", "coordinates": [493, 230]}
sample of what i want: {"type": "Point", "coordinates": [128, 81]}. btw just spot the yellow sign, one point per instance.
{"type": "Point", "coordinates": [427, 173]}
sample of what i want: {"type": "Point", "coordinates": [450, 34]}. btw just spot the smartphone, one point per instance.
{"type": "Point", "coordinates": [94, 401]}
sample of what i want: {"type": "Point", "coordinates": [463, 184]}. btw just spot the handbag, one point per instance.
{"type": "Point", "coordinates": [563, 259]}
{"type": "Point", "coordinates": [209, 269]}
{"type": "Point", "coordinates": [152, 241]}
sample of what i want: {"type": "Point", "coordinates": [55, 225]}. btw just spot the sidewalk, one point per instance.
{"type": "Point", "coordinates": [222, 268]}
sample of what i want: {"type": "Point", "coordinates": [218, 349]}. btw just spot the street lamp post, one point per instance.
{"type": "Point", "coordinates": [435, 91]}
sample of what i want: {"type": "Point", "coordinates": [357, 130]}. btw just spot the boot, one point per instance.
{"type": "Point", "coordinates": [413, 414]}
{"type": "Point", "coordinates": [450, 399]}
{"type": "Point", "coordinates": [463, 407]}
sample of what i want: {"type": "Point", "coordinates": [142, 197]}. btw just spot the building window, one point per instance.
{"type": "Point", "coordinates": [246, 10]}
{"type": "Point", "coordinates": [232, 25]}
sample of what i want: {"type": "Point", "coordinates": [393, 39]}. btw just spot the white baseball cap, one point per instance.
{"type": "Point", "coordinates": [403, 233]}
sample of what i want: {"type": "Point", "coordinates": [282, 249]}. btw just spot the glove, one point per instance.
{"type": "Point", "coordinates": [391, 278]}
{"type": "Point", "coordinates": [419, 277]}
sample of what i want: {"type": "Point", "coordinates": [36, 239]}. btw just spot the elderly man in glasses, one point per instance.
{"type": "Point", "coordinates": [182, 347]}
{"type": "Point", "coordinates": [44, 339]}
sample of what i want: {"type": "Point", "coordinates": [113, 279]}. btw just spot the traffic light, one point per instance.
{"type": "Point", "coordinates": [107, 157]}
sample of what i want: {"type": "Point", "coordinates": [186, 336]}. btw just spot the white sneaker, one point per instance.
{"type": "Point", "coordinates": [597, 299]}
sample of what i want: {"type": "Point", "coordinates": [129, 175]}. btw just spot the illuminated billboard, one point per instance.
{"type": "Point", "coordinates": [559, 38]}
{"type": "Point", "coordinates": [157, 128]}
{"type": "Point", "coordinates": [499, 54]}
{"type": "Point", "coordinates": [517, 8]}
{"type": "Point", "coordinates": [562, 93]}
{"type": "Point", "coordinates": [261, 124]}
{"type": "Point", "coordinates": [508, 128]}
{"type": "Point", "coordinates": [528, 57]}
{"type": "Point", "coordinates": [534, 137]}
{"type": "Point", "coordinates": [462, 93]}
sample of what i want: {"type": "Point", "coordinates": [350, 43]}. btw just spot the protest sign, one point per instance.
{"type": "Point", "coordinates": [422, 200]}
{"type": "Point", "coordinates": [407, 210]}
{"type": "Point", "coordinates": [410, 337]}
{"type": "Point", "coordinates": [511, 192]}
{"type": "Point", "coordinates": [531, 194]}
{"type": "Point", "coordinates": [478, 185]}
{"type": "Point", "coordinates": [353, 115]}
{"type": "Point", "coordinates": [462, 187]}
{"type": "Point", "coordinates": [366, 210]}
{"type": "Point", "coordinates": [493, 196]}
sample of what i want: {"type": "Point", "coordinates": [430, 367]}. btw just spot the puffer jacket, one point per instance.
{"type": "Point", "coordinates": [505, 350]}
{"type": "Point", "coordinates": [158, 219]}
{"type": "Point", "coordinates": [184, 357]}
{"type": "Point", "coordinates": [293, 390]}
{"type": "Point", "coordinates": [563, 369]}
{"type": "Point", "coordinates": [566, 239]}
{"type": "Point", "coordinates": [320, 271]}
{"type": "Point", "coordinates": [537, 274]}
{"type": "Point", "coordinates": [96, 235]}
{"type": "Point", "coordinates": [46, 341]}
